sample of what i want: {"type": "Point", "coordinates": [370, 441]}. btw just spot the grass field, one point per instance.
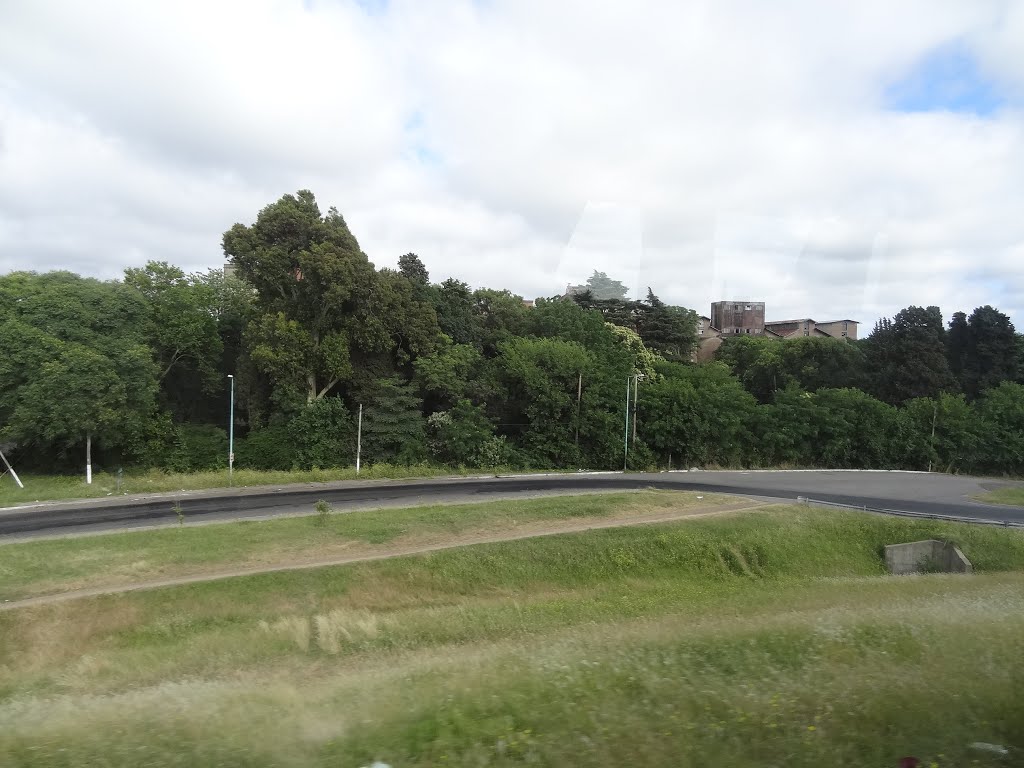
{"type": "Point", "coordinates": [1013, 496]}
{"type": "Point", "coordinates": [768, 638]}
{"type": "Point", "coordinates": [57, 487]}
{"type": "Point", "coordinates": [56, 565]}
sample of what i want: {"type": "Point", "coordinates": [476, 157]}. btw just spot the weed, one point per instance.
{"type": "Point", "coordinates": [323, 512]}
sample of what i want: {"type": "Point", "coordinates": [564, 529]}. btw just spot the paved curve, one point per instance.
{"type": "Point", "coordinates": [908, 492]}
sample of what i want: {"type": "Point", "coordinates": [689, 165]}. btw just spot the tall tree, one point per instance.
{"type": "Point", "coordinates": [311, 280]}
{"type": "Point", "coordinates": [414, 269]}
{"type": "Point", "coordinates": [603, 287]}
{"type": "Point", "coordinates": [454, 305]}
{"type": "Point", "coordinates": [982, 349]}
{"type": "Point", "coordinates": [906, 357]}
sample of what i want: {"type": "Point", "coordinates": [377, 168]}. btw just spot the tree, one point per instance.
{"type": "Point", "coordinates": [323, 435]}
{"type": "Point", "coordinates": [412, 268]}
{"type": "Point", "coordinates": [906, 357]}
{"type": "Point", "coordinates": [462, 436]}
{"type": "Point", "coordinates": [451, 372]}
{"type": "Point", "coordinates": [670, 331]}
{"type": "Point", "coordinates": [453, 303]}
{"type": "Point", "coordinates": [393, 426]}
{"type": "Point", "coordinates": [83, 394]}
{"type": "Point", "coordinates": [695, 415]}
{"type": "Point", "coordinates": [603, 287]}
{"type": "Point", "coordinates": [982, 349]}
{"type": "Point", "coordinates": [767, 366]}
{"type": "Point", "coordinates": [940, 433]}
{"type": "Point", "coordinates": [1001, 426]}
{"type": "Point", "coordinates": [498, 316]}
{"type": "Point", "coordinates": [181, 326]}
{"type": "Point", "coordinates": [541, 380]}
{"type": "Point", "coordinates": [311, 281]}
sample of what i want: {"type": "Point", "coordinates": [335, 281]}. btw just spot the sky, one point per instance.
{"type": "Point", "coordinates": [833, 159]}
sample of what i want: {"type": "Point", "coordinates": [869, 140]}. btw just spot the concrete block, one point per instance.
{"type": "Point", "coordinates": [929, 555]}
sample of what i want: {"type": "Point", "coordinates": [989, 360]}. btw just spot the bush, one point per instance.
{"type": "Point", "coordinates": [197, 447]}
{"type": "Point", "coordinates": [323, 435]}
{"type": "Point", "coordinates": [266, 449]}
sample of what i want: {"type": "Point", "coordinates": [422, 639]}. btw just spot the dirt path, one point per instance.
{"type": "Point", "coordinates": [525, 531]}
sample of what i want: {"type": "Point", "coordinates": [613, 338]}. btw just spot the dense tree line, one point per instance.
{"type": "Point", "coordinates": [311, 330]}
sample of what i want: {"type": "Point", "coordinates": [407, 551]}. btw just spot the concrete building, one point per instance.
{"type": "Point", "coordinates": [806, 326]}
{"type": "Point", "coordinates": [747, 318]}
{"type": "Point", "coordinates": [734, 318]}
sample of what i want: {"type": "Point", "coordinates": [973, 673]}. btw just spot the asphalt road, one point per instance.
{"type": "Point", "coordinates": [907, 492]}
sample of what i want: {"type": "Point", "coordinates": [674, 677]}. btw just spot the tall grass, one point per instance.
{"type": "Point", "coordinates": [758, 639]}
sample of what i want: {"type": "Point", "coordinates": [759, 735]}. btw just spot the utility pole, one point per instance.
{"type": "Point", "coordinates": [231, 433]}
{"type": "Point", "coordinates": [359, 437]}
{"type": "Point", "coordinates": [11, 470]}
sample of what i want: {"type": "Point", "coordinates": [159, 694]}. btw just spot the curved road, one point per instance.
{"type": "Point", "coordinates": [896, 492]}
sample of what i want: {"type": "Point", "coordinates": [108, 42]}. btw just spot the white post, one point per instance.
{"type": "Point", "coordinates": [359, 437]}
{"type": "Point", "coordinates": [88, 458]}
{"type": "Point", "coordinates": [11, 470]}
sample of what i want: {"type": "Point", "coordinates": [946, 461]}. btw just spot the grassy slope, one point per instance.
{"type": "Point", "coordinates": [60, 487]}
{"type": "Point", "coordinates": [55, 565]}
{"type": "Point", "coordinates": [767, 639]}
{"type": "Point", "coordinates": [1013, 496]}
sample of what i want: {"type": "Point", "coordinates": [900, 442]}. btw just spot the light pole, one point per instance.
{"type": "Point", "coordinates": [231, 432]}
{"type": "Point", "coordinates": [625, 438]}
{"type": "Point", "coordinates": [359, 437]}
{"type": "Point", "coordinates": [636, 377]}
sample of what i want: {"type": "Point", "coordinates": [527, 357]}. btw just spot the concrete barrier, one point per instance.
{"type": "Point", "coordinates": [926, 556]}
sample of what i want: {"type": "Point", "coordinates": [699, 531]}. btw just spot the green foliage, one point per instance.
{"type": "Point", "coordinates": [309, 329]}
{"type": "Point", "coordinates": [464, 436]}
{"type": "Point", "coordinates": [906, 357]}
{"type": "Point", "coordinates": [983, 350]}
{"type": "Point", "coordinates": [603, 287]}
{"type": "Point", "coordinates": [323, 512]}
{"type": "Point", "coordinates": [198, 447]}
{"type": "Point", "coordinates": [454, 305]}
{"type": "Point", "coordinates": [268, 448]}
{"type": "Point", "coordinates": [669, 331]}
{"type": "Point", "coordinates": [413, 269]}
{"type": "Point", "coordinates": [1001, 429]}
{"type": "Point", "coordinates": [323, 434]}
{"type": "Point", "coordinates": [695, 416]}
{"type": "Point", "coordinates": [393, 426]}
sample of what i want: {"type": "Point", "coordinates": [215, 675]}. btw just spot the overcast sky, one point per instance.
{"type": "Point", "coordinates": [834, 159]}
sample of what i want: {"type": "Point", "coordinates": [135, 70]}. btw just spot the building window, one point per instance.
{"type": "Point", "coordinates": [747, 308]}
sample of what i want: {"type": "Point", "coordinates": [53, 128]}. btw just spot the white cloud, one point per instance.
{"type": "Point", "coordinates": [703, 148]}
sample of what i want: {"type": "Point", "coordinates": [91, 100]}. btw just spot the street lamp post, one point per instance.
{"type": "Point", "coordinates": [231, 433]}
{"type": "Point", "coordinates": [625, 438]}
{"type": "Point", "coordinates": [636, 379]}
